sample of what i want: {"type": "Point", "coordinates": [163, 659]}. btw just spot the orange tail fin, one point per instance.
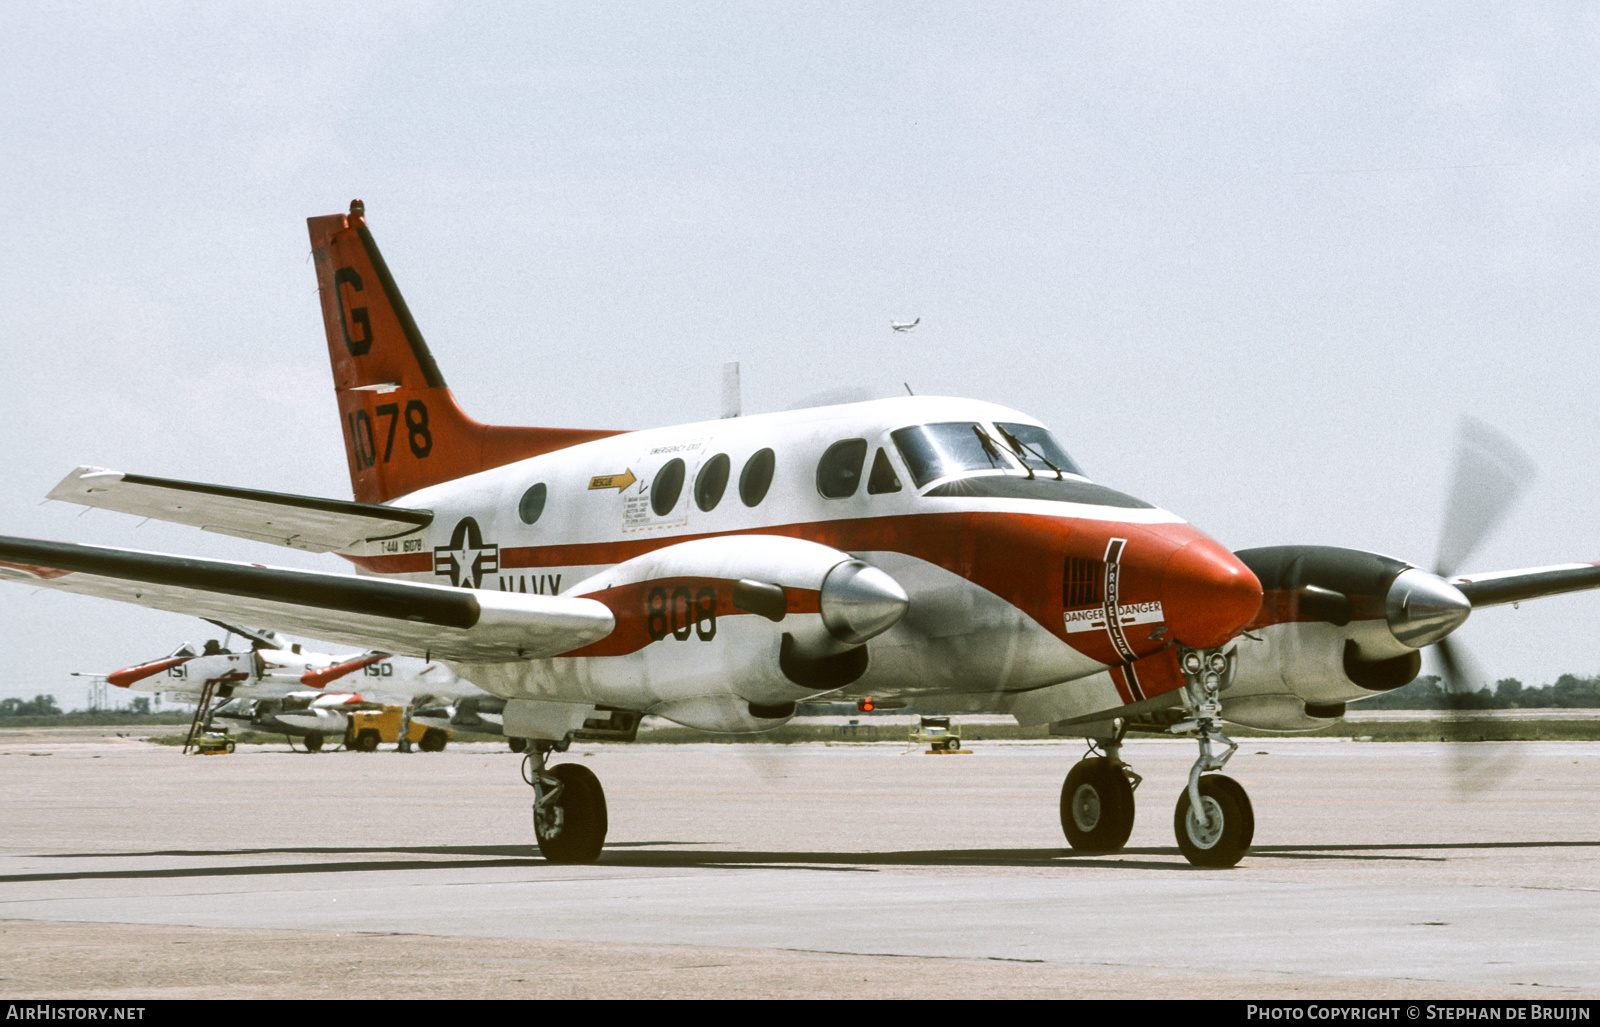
{"type": "Point", "coordinates": [402, 428]}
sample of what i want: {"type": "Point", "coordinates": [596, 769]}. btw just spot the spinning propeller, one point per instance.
{"type": "Point", "coordinates": [1491, 473]}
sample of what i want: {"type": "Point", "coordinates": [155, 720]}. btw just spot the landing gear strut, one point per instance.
{"type": "Point", "coordinates": [569, 806]}
{"type": "Point", "coordinates": [1214, 821]}
{"type": "Point", "coordinates": [1097, 800]}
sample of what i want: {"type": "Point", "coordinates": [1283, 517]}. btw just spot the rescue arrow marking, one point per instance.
{"type": "Point", "coordinates": [613, 481]}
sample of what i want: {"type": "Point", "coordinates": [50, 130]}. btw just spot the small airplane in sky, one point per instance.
{"type": "Point", "coordinates": [904, 326]}
{"type": "Point", "coordinates": [938, 551]}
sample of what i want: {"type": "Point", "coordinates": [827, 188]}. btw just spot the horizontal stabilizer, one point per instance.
{"type": "Point", "coordinates": [299, 522]}
{"type": "Point", "coordinates": [1497, 588]}
{"type": "Point", "coordinates": [403, 617]}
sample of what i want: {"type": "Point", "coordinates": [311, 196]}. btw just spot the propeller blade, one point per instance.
{"type": "Point", "coordinates": [1491, 472]}
{"type": "Point", "coordinates": [1464, 684]}
{"type": "Point", "coordinates": [1461, 676]}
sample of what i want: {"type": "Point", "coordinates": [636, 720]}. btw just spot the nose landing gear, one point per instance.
{"type": "Point", "coordinates": [569, 806]}
{"type": "Point", "coordinates": [1222, 836]}
{"type": "Point", "coordinates": [1214, 821]}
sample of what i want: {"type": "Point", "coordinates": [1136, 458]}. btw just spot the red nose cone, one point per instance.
{"type": "Point", "coordinates": [1207, 594]}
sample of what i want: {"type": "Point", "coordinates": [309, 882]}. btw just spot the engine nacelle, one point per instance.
{"type": "Point", "coordinates": [1335, 625]}
{"type": "Point", "coordinates": [726, 633]}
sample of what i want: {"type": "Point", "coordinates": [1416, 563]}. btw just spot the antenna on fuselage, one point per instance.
{"type": "Point", "coordinates": [731, 401]}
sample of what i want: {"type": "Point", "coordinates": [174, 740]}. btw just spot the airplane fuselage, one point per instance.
{"type": "Point", "coordinates": [1014, 582]}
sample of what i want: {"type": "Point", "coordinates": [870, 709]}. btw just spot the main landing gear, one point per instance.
{"type": "Point", "coordinates": [1097, 800]}
{"type": "Point", "coordinates": [1214, 821]}
{"type": "Point", "coordinates": [569, 806]}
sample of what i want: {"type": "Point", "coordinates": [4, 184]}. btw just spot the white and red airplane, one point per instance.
{"type": "Point", "coordinates": [946, 552]}
{"type": "Point", "coordinates": [269, 672]}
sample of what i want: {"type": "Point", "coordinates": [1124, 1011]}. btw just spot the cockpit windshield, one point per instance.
{"type": "Point", "coordinates": [1037, 448]}
{"type": "Point", "coordinates": [933, 451]}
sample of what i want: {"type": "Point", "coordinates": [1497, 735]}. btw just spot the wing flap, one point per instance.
{"type": "Point", "coordinates": [300, 522]}
{"type": "Point", "coordinates": [1497, 588]}
{"type": "Point", "coordinates": [405, 617]}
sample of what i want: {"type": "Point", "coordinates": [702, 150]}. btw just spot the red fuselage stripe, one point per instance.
{"type": "Point", "coordinates": [1018, 557]}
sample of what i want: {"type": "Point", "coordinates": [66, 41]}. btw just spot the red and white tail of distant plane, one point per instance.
{"type": "Point", "coordinates": [938, 551]}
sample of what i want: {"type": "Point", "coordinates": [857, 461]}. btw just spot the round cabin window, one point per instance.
{"type": "Point", "coordinates": [756, 477]}
{"type": "Point", "coordinates": [667, 487]}
{"type": "Point", "coordinates": [711, 482]}
{"type": "Point", "coordinates": [532, 504]}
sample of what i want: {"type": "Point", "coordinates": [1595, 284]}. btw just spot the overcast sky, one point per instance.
{"type": "Point", "coordinates": [1252, 262]}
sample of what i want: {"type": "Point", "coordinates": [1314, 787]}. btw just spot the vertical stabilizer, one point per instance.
{"type": "Point", "coordinates": [402, 427]}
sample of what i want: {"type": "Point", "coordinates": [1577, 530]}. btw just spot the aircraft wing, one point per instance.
{"type": "Point", "coordinates": [1497, 588]}
{"type": "Point", "coordinates": [300, 522]}
{"type": "Point", "coordinates": [404, 617]}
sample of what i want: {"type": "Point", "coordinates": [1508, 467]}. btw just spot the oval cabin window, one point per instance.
{"type": "Point", "coordinates": [711, 482]}
{"type": "Point", "coordinates": [667, 487]}
{"type": "Point", "coordinates": [756, 477]}
{"type": "Point", "coordinates": [532, 504]}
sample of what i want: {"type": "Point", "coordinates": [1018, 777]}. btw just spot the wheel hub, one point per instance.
{"type": "Point", "coordinates": [548, 820]}
{"type": "Point", "coordinates": [1205, 833]}
{"type": "Point", "coordinates": [1086, 808]}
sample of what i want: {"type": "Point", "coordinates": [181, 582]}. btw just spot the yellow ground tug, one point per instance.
{"type": "Point", "coordinates": [939, 734]}
{"type": "Point", "coordinates": [370, 727]}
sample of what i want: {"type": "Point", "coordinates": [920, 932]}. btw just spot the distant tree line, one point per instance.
{"type": "Point", "coordinates": [45, 706]}
{"type": "Point", "coordinates": [38, 706]}
{"type": "Point", "coordinates": [1426, 693]}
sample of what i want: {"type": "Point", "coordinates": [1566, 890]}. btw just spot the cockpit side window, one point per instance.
{"type": "Point", "coordinates": [882, 479]}
{"type": "Point", "coordinates": [1037, 448]}
{"type": "Point", "coordinates": [933, 451]}
{"type": "Point", "coordinates": [839, 470]}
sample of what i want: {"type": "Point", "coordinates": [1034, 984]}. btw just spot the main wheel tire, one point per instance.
{"type": "Point", "coordinates": [1215, 844]}
{"type": "Point", "coordinates": [313, 741]}
{"type": "Point", "coordinates": [1097, 806]}
{"type": "Point", "coordinates": [578, 831]}
{"type": "Point", "coordinates": [367, 741]}
{"type": "Point", "coordinates": [433, 740]}
{"type": "Point", "coordinates": [517, 744]}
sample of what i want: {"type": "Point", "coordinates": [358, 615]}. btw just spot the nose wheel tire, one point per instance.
{"type": "Point", "coordinates": [1224, 837]}
{"type": "Point", "coordinates": [1097, 806]}
{"type": "Point", "coordinates": [313, 741]}
{"type": "Point", "coordinates": [572, 827]}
